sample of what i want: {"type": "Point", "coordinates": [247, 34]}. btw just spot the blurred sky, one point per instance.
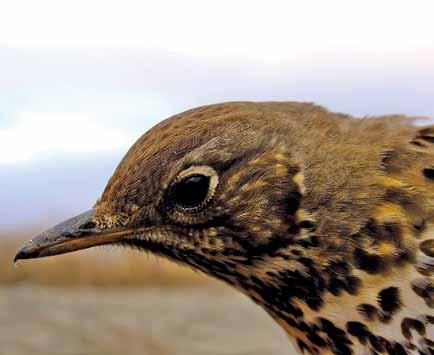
{"type": "Point", "coordinates": [81, 80]}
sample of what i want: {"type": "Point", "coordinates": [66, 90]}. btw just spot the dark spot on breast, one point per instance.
{"type": "Point", "coordinates": [389, 300]}
{"type": "Point", "coordinates": [371, 263]}
{"type": "Point", "coordinates": [315, 338]}
{"type": "Point", "coordinates": [303, 346]}
{"type": "Point", "coordinates": [427, 247]}
{"type": "Point", "coordinates": [419, 225]}
{"type": "Point", "coordinates": [367, 311]}
{"type": "Point", "coordinates": [425, 265]}
{"type": "Point", "coordinates": [341, 342]}
{"type": "Point", "coordinates": [396, 349]}
{"type": "Point", "coordinates": [428, 173]}
{"type": "Point", "coordinates": [340, 278]}
{"type": "Point", "coordinates": [353, 285]}
{"type": "Point", "coordinates": [408, 324]}
{"type": "Point", "coordinates": [424, 288]}
{"type": "Point", "coordinates": [358, 330]}
{"type": "Point", "coordinates": [379, 343]}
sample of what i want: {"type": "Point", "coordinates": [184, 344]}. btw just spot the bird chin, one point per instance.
{"type": "Point", "coordinates": [141, 243]}
{"type": "Point", "coordinates": [158, 242]}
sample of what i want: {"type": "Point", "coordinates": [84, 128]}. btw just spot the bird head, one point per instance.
{"type": "Point", "coordinates": [216, 188]}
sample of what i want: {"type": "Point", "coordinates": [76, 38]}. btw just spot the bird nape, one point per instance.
{"type": "Point", "coordinates": [324, 220]}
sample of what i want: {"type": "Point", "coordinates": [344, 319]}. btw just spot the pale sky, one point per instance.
{"type": "Point", "coordinates": [81, 80]}
{"type": "Point", "coordinates": [262, 29]}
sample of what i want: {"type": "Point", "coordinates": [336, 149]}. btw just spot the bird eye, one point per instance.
{"type": "Point", "coordinates": [193, 188]}
{"type": "Point", "coordinates": [191, 192]}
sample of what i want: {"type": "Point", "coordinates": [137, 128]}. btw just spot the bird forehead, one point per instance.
{"type": "Point", "coordinates": [181, 134]}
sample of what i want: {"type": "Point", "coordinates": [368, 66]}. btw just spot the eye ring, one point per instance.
{"type": "Point", "coordinates": [193, 189]}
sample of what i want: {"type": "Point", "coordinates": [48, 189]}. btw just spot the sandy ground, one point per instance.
{"type": "Point", "coordinates": [161, 321]}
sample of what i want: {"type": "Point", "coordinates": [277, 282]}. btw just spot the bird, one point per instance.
{"type": "Point", "coordinates": [323, 219]}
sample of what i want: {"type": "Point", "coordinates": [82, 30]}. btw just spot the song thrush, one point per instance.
{"type": "Point", "coordinates": [324, 220]}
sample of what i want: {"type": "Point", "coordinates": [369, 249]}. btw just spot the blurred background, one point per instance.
{"type": "Point", "coordinates": [80, 81]}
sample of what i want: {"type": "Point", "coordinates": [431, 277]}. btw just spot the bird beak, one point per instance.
{"type": "Point", "coordinates": [77, 233]}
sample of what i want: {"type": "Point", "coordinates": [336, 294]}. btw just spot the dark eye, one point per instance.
{"type": "Point", "coordinates": [191, 192]}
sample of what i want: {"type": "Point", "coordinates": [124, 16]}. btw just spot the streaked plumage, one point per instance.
{"type": "Point", "coordinates": [324, 220]}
